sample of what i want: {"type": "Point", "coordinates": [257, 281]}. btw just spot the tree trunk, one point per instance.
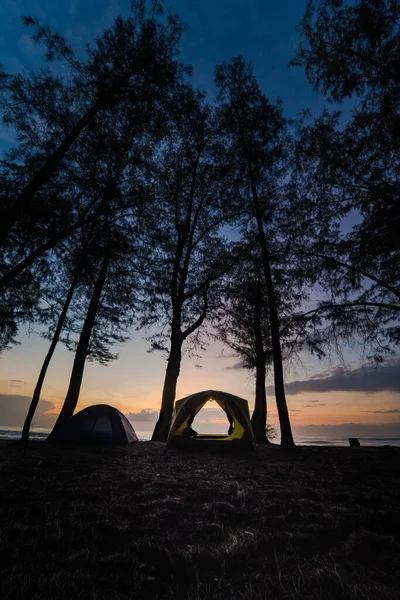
{"type": "Point", "coordinates": [49, 355]}
{"type": "Point", "coordinates": [75, 383]}
{"type": "Point", "coordinates": [284, 421]}
{"type": "Point", "coordinates": [179, 277]}
{"type": "Point", "coordinates": [43, 175]}
{"type": "Point", "coordinates": [259, 418]}
{"type": "Point", "coordinates": [163, 424]}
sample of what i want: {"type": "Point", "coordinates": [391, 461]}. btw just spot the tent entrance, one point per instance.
{"type": "Point", "coordinates": [236, 411]}
{"type": "Point", "coordinates": [211, 421]}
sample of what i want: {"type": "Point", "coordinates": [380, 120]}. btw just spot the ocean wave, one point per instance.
{"type": "Point", "coordinates": [14, 436]}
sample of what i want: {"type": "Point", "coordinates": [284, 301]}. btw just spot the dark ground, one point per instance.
{"type": "Point", "coordinates": [144, 522]}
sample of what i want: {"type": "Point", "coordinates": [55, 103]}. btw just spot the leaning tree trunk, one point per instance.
{"type": "Point", "coordinates": [28, 261]}
{"type": "Point", "coordinates": [71, 399]}
{"type": "Point", "coordinates": [49, 355]}
{"type": "Point", "coordinates": [284, 421]}
{"type": "Point", "coordinates": [44, 174]}
{"type": "Point", "coordinates": [163, 424]}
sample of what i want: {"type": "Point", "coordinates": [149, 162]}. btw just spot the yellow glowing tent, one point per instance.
{"type": "Point", "coordinates": [240, 432]}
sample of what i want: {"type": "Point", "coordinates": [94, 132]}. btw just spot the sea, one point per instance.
{"type": "Point", "coordinates": [41, 433]}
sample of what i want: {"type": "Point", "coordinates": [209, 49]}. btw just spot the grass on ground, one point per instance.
{"type": "Point", "coordinates": [144, 522]}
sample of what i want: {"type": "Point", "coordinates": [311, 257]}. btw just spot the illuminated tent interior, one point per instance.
{"type": "Point", "coordinates": [240, 431]}
{"type": "Point", "coordinates": [97, 424]}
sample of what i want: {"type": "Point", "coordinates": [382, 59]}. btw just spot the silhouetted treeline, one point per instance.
{"type": "Point", "coordinates": [128, 200]}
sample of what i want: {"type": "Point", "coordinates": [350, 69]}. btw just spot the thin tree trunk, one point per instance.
{"type": "Point", "coordinates": [44, 174]}
{"type": "Point", "coordinates": [37, 253]}
{"type": "Point", "coordinates": [259, 418]}
{"type": "Point", "coordinates": [49, 355]}
{"type": "Point", "coordinates": [284, 421]}
{"type": "Point", "coordinates": [75, 383]}
{"type": "Point", "coordinates": [59, 237]}
{"type": "Point", "coordinates": [163, 424]}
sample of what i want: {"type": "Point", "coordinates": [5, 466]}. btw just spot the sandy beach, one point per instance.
{"type": "Point", "coordinates": [142, 521]}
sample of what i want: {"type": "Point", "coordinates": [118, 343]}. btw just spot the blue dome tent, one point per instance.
{"type": "Point", "coordinates": [97, 424]}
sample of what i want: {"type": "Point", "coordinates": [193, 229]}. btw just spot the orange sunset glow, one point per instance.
{"type": "Point", "coordinates": [134, 382]}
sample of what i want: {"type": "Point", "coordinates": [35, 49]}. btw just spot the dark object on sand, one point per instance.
{"type": "Point", "coordinates": [354, 442]}
{"type": "Point", "coordinates": [97, 424]}
{"type": "Point", "coordinates": [240, 433]}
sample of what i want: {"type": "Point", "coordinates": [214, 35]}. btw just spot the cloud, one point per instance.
{"type": "Point", "coordinates": [13, 410]}
{"type": "Point", "coordinates": [383, 412]}
{"type": "Point", "coordinates": [236, 366]}
{"type": "Point", "coordinates": [144, 415]}
{"type": "Point", "coordinates": [211, 420]}
{"type": "Point", "coordinates": [211, 415]}
{"type": "Point", "coordinates": [314, 405]}
{"type": "Point", "coordinates": [369, 379]}
{"type": "Point", "coordinates": [211, 410]}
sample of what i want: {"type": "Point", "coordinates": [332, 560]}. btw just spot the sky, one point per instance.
{"type": "Point", "coordinates": [324, 399]}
